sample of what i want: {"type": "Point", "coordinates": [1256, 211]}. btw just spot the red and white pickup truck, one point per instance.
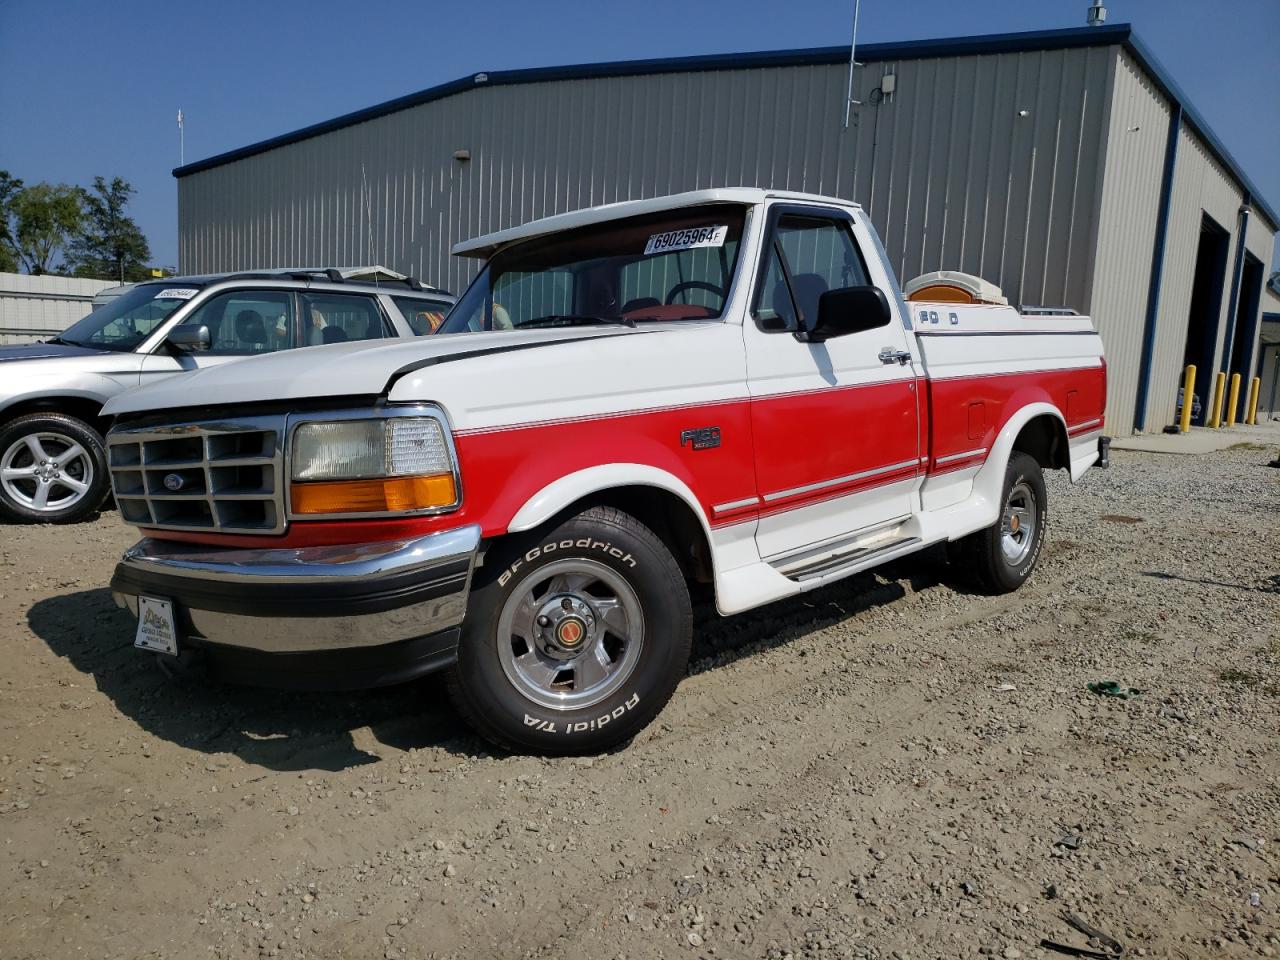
{"type": "Point", "coordinates": [722, 388]}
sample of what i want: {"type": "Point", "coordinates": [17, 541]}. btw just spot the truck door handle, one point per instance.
{"type": "Point", "coordinates": [890, 355]}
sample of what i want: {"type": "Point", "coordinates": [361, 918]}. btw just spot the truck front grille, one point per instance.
{"type": "Point", "coordinates": [223, 475]}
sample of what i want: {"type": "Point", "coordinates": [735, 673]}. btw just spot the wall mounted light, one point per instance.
{"type": "Point", "coordinates": [462, 156]}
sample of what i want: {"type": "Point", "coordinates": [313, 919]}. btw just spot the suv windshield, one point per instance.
{"type": "Point", "coordinates": [126, 321]}
{"type": "Point", "coordinates": [670, 266]}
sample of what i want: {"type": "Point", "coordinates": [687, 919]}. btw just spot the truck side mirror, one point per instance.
{"type": "Point", "coordinates": [190, 336]}
{"type": "Point", "coordinates": [847, 310]}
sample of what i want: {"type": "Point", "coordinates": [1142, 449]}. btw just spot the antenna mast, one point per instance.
{"type": "Point", "coordinates": [849, 102]}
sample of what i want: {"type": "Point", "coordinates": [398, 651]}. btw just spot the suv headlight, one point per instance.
{"type": "Point", "coordinates": [379, 465]}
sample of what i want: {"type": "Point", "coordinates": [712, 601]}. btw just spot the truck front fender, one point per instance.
{"type": "Point", "coordinates": [554, 497]}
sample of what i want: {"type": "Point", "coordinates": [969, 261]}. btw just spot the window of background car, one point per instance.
{"type": "Point", "coordinates": [423, 316]}
{"type": "Point", "coordinates": [339, 318]}
{"type": "Point", "coordinates": [668, 266]}
{"type": "Point", "coordinates": [248, 321]}
{"type": "Point", "coordinates": [125, 322]}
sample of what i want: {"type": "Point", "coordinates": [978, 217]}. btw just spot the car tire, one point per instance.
{"type": "Point", "coordinates": [53, 469]}
{"type": "Point", "coordinates": [1000, 558]}
{"type": "Point", "coordinates": [575, 636]}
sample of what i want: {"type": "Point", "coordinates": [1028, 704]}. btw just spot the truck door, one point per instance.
{"type": "Point", "coordinates": [835, 424]}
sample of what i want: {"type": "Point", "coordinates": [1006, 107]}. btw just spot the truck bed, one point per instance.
{"type": "Point", "coordinates": [984, 362]}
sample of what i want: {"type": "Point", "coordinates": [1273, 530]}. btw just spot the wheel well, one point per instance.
{"type": "Point", "coordinates": [1044, 439]}
{"type": "Point", "coordinates": [82, 408]}
{"type": "Point", "coordinates": [667, 515]}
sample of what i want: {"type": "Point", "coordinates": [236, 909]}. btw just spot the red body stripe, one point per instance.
{"type": "Point", "coordinates": [768, 445]}
{"type": "Point", "coordinates": [1080, 393]}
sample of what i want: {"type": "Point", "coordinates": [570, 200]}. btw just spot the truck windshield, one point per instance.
{"type": "Point", "coordinates": [666, 267]}
{"type": "Point", "coordinates": [126, 321]}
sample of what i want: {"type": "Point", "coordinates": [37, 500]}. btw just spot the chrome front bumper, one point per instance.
{"type": "Point", "coordinates": [308, 599]}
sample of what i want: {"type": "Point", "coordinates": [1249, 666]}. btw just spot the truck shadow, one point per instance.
{"type": "Point", "coordinates": [277, 730]}
{"type": "Point", "coordinates": [719, 640]}
{"type": "Point", "coordinates": [293, 731]}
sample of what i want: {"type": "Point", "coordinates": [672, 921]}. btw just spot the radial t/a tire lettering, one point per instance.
{"type": "Point", "coordinates": [575, 636]}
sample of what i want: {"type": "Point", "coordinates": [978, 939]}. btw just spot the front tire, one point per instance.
{"type": "Point", "coordinates": [53, 469]}
{"type": "Point", "coordinates": [575, 636]}
{"type": "Point", "coordinates": [1000, 558]}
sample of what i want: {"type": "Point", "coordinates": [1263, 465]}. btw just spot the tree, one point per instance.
{"type": "Point", "coordinates": [110, 244]}
{"type": "Point", "coordinates": [10, 186]}
{"type": "Point", "coordinates": [44, 217]}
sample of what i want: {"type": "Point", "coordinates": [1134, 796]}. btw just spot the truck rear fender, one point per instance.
{"type": "Point", "coordinates": [982, 508]}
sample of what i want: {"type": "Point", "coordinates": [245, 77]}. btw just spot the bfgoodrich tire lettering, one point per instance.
{"type": "Point", "coordinates": [575, 636]}
{"type": "Point", "coordinates": [1000, 558]}
{"type": "Point", "coordinates": [53, 469]}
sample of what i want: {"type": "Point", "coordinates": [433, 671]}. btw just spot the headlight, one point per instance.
{"type": "Point", "coordinates": [385, 465]}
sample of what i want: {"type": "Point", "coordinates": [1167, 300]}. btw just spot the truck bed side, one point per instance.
{"type": "Point", "coordinates": [985, 363]}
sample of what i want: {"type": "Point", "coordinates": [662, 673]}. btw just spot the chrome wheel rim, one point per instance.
{"type": "Point", "coordinates": [46, 472]}
{"type": "Point", "coordinates": [1018, 525]}
{"type": "Point", "coordinates": [571, 634]}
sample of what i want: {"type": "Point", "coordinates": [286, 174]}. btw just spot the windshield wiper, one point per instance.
{"type": "Point", "coordinates": [573, 320]}
{"type": "Point", "coordinates": [64, 341]}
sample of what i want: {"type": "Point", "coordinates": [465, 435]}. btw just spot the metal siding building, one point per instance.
{"type": "Point", "coordinates": [1032, 160]}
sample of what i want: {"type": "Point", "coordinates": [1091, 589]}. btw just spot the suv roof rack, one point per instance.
{"type": "Point", "coordinates": [374, 276]}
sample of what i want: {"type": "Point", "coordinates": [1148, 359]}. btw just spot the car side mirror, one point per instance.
{"type": "Point", "coordinates": [846, 310]}
{"type": "Point", "coordinates": [190, 336]}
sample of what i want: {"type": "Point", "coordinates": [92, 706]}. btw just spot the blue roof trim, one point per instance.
{"type": "Point", "coordinates": [1069, 38]}
{"type": "Point", "coordinates": [813, 56]}
{"type": "Point", "coordinates": [1192, 117]}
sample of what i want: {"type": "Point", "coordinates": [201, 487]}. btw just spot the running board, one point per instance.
{"type": "Point", "coordinates": [853, 558]}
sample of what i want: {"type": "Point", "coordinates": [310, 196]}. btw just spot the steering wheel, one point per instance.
{"type": "Point", "coordinates": [684, 285]}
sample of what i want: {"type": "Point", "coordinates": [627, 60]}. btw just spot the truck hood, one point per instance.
{"type": "Point", "coordinates": [46, 351]}
{"type": "Point", "coordinates": [367, 368]}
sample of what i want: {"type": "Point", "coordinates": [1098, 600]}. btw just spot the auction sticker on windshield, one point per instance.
{"type": "Point", "coordinates": [177, 293]}
{"type": "Point", "coordinates": [155, 626]}
{"type": "Point", "coordinates": [686, 239]}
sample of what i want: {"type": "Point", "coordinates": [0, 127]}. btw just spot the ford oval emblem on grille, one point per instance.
{"type": "Point", "coordinates": [174, 482]}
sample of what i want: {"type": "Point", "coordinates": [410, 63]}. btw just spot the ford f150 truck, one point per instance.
{"type": "Point", "coordinates": [720, 391]}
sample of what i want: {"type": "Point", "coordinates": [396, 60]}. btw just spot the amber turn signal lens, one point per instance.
{"type": "Point", "coordinates": [393, 495]}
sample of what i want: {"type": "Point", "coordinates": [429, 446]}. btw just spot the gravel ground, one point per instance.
{"type": "Point", "coordinates": [887, 768]}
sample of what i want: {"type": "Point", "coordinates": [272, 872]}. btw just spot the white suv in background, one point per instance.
{"type": "Point", "coordinates": [53, 466]}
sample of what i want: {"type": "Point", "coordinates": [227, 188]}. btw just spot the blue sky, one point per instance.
{"type": "Point", "coordinates": [94, 88]}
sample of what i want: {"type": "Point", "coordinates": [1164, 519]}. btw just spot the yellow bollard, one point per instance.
{"type": "Point", "coordinates": [1215, 412]}
{"type": "Point", "coordinates": [1252, 405]}
{"type": "Point", "coordinates": [1233, 400]}
{"type": "Point", "coordinates": [1188, 391]}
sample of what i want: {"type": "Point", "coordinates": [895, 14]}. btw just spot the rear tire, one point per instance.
{"type": "Point", "coordinates": [575, 636]}
{"type": "Point", "coordinates": [1000, 558]}
{"type": "Point", "coordinates": [53, 469]}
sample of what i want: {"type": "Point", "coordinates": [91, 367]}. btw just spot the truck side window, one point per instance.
{"type": "Point", "coordinates": [820, 255]}
{"type": "Point", "coordinates": [775, 309]}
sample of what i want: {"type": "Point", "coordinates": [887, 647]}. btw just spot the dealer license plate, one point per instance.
{"type": "Point", "coordinates": [155, 626]}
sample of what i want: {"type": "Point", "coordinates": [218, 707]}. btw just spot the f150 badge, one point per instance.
{"type": "Point", "coordinates": [701, 438]}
